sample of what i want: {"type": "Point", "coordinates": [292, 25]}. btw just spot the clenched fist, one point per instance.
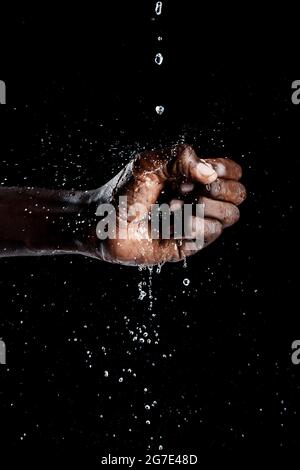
{"type": "Point", "coordinates": [174, 176]}
{"type": "Point", "coordinates": [48, 222]}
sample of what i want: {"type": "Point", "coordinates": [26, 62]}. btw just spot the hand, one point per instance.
{"type": "Point", "coordinates": [177, 175]}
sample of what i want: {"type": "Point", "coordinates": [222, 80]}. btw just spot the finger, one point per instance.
{"type": "Point", "coordinates": [226, 168]}
{"type": "Point", "coordinates": [176, 163]}
{"type": "Point", "coordinates": [226, 190]}
{"type": "Point", "coordinates": [227, 213]}
{"type": "Point", "coordinates": [176, 205]}
{"type": "Point", "coordinates": [194, 228]}
{"type": "Point", "coordinates": [212, 230]}
{"type": "Point", "coordinates": [185, 164]}
{"type": "Point", "coordinates": [176, 250]}
{"type": "Point", "coordinates": [152, 170]}
{"type": "Point", "coordinates": [186, 188]}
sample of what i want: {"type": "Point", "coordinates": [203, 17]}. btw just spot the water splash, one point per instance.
{"type": "Point", "coordinates": [150, 269]}
{"type": "Point", "coordinates": [148, 286]}
{"type": "Point", "coordinates": [142, 293]}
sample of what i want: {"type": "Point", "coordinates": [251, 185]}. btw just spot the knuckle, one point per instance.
{"type": "Point", "coordinates": [185, 149]}
{"type": "Point", "coordinates": [183, 159]}
{"type": "Point", "coordinates": [184, 153]}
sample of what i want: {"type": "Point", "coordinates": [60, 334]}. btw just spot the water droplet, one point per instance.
{"type": "Point", "coordinates": [159, 110]}
{"type": "Point", "coordinates": [186, 281]}
{"type": "Point", "coordinates": [159, 58]}
{"type": "Point", "coordinates": [158, 8]}
{"type": "Point", "coordinates": [159, 38]}
{"type": "Point", "coordinates": [142, 295]}
{"type": "Point", "coordinates": [121, 379]}
{"type": "Point", "coordinates": [159, 266]}
{"type": "Point", "coordinates": [147, 407]}
{"type": "Point", "coordinates": [106, 373]}
{"type": "Point", "coordinates": [147, 422]}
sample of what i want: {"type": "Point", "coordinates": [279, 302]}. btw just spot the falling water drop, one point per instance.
{"type": "Point", "coordinates": [159, 59]}
{"type": "Point", "coordinates": [150, 269]}
{"type": "Point", "coordinates": [159, 266]}
{"type": "Point", "coordinates": [159, 110]}
{"type": "Point", "coordinates": [142, 293]}
{"type": "Point", "coordinates": [158, 8]}
{"type": "Point", "coordinates": [186, 281]}
{"type": "Point", "coordinates": [159, 38]}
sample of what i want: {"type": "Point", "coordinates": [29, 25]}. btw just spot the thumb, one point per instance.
{"type": "Point", "coordinates": [153, 169]}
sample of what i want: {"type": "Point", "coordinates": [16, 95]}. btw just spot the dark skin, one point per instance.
{"type": "Point", "coordinates": [44, 222]}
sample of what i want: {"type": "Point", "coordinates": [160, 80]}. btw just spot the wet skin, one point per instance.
{"type": "Point", "coordinates": [43, 222]}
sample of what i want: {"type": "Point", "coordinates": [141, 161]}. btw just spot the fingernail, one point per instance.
{"type": "Point", "coordinates": [206, 169]}
{"type": "Point", "coordinates": [186, 187]}
{"type": "Point", "coordinates": [176, 205]}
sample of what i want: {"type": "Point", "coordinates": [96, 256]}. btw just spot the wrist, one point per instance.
{"type": "Point", "coordinates": [40, 221]}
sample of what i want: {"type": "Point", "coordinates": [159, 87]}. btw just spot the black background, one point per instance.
{"type": "Point", "coordinates": [82, 87]}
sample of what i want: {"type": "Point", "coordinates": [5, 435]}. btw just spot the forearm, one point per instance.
{"type": "Point", "coordinates": [41, 222]}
